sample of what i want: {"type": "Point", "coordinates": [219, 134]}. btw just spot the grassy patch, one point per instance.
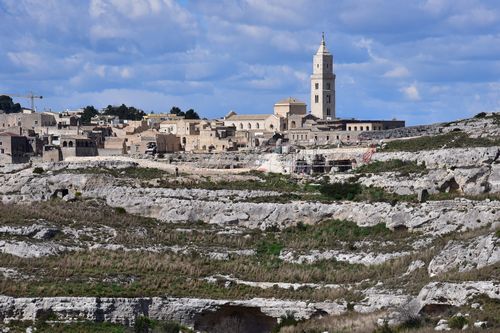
{"type": "Point", "coordinates": [402, 167]}
{"type": "Point", "coordinates": [137, 173]}
{"type": "Point", "coordinates": [448, 140]}
{"type": "Point", "coordinates": [266, 182]}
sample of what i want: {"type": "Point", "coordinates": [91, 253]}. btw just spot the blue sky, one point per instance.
{"type": "Point", "coordinates": [421, 60]}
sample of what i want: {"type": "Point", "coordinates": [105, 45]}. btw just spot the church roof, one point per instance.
{"type": "Point", "coordinates": [322, 47]}
{"type": "Point", "coordinates": [249, 117]}
{"type": "Point", "coordinates": [290, 100]}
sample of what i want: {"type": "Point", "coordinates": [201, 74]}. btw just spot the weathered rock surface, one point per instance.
{"type": "Point", "coordinates": [217, 207]}
{"type": "Point", "coordinates": [32, 250]}
{"type": "Point", "coordinates": [475, 127]}
{"type": "Point", "coordinates": [362, 258]}
{"type": "Point", "coordinates": [455, 294]}
{"type": "Point", "coordinates": [125, 310]}
{"type": "Point", "coordinates": [466, 255]}
{"type": "Point", "coordinates": [445, 158]}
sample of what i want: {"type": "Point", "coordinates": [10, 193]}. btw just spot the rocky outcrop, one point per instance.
{"type": "Point", "coordinates": [475, 127]}
{"type": "Point", "coordinates": [444, 294]}
{"type": "Point", "coordinates": [466, 255]}
{"type": "Point", "coordinates": [33, 250]}
{"type": "Point", "coordinates": [444, 158]}
{"type": "Point", "coordinates": [125, 310]}
{"type": "Point", "coordinates": [469, 181]}
{"type": "Point", "coordinates": [361, 258]}
{"type": "Point", "coordinates": [188, 205]}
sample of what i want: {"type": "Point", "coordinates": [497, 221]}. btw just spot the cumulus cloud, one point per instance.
{"type": "Point", "coordinates": [411, 92]}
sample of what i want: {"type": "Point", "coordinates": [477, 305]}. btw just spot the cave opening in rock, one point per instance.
{"type": "Point", "coordinates": [234, 319]}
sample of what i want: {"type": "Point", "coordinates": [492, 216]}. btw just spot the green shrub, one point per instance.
{"type": "Point", "coordinates": [143, 324]}
{"type": "Point", "coordinates": [457, 322]}
{"type": "Point", "coordinates": [403, 167]}
{"type": "Point", "coordinates": [480, 115]}
{"type": "Point", "coordinates": [120, 210]}
{"type": "Point", "coordinates": [269, 248]}
{"type": "Point", "coordinates": [285, 320]}
{"type": "Point", "coordinates": [38, 170]}
{"type": "Point", "coordinates": [340, 191]}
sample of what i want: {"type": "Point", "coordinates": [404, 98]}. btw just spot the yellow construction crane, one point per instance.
{"type": "Point", "coordinates": [30, 96]}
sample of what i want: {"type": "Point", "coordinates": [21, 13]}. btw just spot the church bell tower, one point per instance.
{"type": "Point", "coordinates": [323, 84]}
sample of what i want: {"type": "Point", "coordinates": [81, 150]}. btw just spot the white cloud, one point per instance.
{"type": "Point", "coordinates": [411, 92]}
{"type": "Point", "coordinates": [397, 72]}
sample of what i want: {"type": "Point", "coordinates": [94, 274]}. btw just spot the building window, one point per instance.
{"type": "Point", "coordinates": [338, 137]}
{"type": "Point", "coordinates": [65, 144]}
{"type": "Point", "coordinates": [348, 137]}
{"type": "Point", "coordinates": [249, 126]}
{"type": "Point", "coordinates": [360, 128]}
{"type": "Point", "coordinates": [355, 128]}
{"type": "Point", "coordinates": [293, 124]}
{"type": "Point", "coordinates": [241, 125]}
{"type": "Point", "coordinates": [328, 86]}
{"type": "Point", "coordinates": [328, 99]}
{"type": "Point", "coordinates": [316, 99]}
{"type": "Point", "coordinates": [327, 111]}
{"type": "Point", "coordinates": [257, 125]}
{"type": "Point", "coordinates": [316, 86]}
{"type": "Point", "coordinates": [2, 151]}
{"type": "Point", "coordinates": [271, 126]}
{"type": "Point", "coordinates": [317, 66]}
{"type": "Point", "coordinates": [350, 128]}
{"type": "Point", "coordinates": [70, 144]}
{"type": "Point", "coordinates": [327, 138]}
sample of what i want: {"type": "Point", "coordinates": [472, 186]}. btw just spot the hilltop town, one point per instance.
{"type": "Point", "coordinates": [119, 130]}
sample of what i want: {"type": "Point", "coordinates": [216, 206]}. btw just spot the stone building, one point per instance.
{"type": "Point", "coordinates": [290, 106]}
{"type": "Point", "coordinates": [254, 122]}
{"type": "Point", "coordinates": [33, 121]}
{"type": "Point", "coordinates": [77, 145]}
{"type": "Point", "coordinates": [14, 148]}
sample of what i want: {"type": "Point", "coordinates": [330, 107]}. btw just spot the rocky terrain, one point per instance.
{"type": "Point", "coordinates": [407, 242]}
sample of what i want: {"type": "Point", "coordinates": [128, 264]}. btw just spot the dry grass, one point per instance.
{"type": "Point", "coordinates": [349, 322]}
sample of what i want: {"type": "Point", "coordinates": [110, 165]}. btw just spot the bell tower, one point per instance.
{"type": "Point", "coordinates": [323, 84]}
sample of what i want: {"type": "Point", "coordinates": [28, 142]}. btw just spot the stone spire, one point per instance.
{"type": "Point", "coordinates": [322, 47]}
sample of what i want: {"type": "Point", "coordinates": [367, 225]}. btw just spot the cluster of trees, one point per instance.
{"type": "Point", "coordinates": [124, 112]}
{"type": "Point", "coordinates": [129, 113]}
{"type": "Point", "coordinates": [189, 114]}
{"type": "Point", "coordinates": [8, 105]}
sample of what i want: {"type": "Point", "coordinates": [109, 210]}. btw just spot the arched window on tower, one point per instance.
{"type": "Point", "coordinates": [316, 99]}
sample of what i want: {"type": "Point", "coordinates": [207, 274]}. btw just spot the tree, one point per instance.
{"type": "Point", "coordinates": [124, 112]}
{"type": "Point", "coordinates": [88, 112]}
{"type": "Point", "coordinates": [8, 106]}
{"type": "Point", "coordinates": [189, 114]}
{"type": "Point", "coordinates": [176, 110]}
